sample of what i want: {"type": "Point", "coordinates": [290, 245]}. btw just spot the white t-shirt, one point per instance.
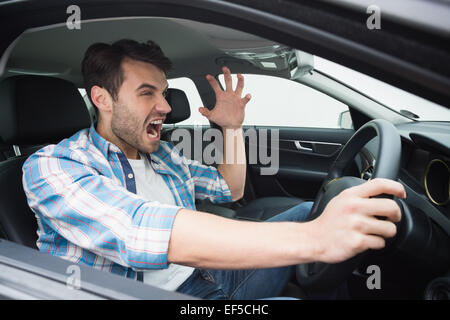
{"type": "Point", "coordinates": [151, 186]}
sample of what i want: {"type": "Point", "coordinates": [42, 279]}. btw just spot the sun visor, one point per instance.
{"type": "Point", "coordinates": [273, 58]}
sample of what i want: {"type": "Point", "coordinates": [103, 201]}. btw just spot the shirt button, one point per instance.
{"type": "Point", "coordinates": [130, 176]}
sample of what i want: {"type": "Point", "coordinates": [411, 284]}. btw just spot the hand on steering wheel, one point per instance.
{"type": "Point", "coordinates": [352, 220]}
{"type": "Point", "coordinates": [346, 211]}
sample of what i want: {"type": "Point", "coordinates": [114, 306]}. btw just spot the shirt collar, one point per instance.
{"type": "Point", "coordinates": [106, 146]}
{"type": "Point", "coordinates": [101, 143]}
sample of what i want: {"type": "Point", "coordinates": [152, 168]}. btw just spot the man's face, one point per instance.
{"type": "Point", "coordinates": [141, 107]}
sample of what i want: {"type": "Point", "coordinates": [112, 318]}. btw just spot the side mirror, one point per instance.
{"type": "Point", "coordinates": [345, 120]}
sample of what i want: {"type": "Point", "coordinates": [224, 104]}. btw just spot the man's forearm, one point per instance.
{"type": "Point", "coordinates": [204, 240]}
{"type": "Point", "coordinates": [233, 168]}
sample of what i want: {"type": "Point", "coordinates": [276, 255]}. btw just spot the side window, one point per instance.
{"type": "Point", "coordinates": [89, 106]}
{"type": "Point", "coordinates": [195, 102]}
{"type": "Point", "coordinates": [282, 102]}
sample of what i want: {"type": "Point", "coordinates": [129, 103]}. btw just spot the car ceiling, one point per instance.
{"type": "Point", "coordinates": [58, 51]}
{"type": "Point", "coordinates": [402, 54]}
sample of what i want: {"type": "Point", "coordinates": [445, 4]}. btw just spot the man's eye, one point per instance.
{"type": "Point", "coordinates": [147, 93]}
{"type": "Point", "coordinates": [165, 94]}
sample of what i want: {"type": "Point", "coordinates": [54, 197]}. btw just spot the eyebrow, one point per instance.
{"type": "Point", "coordinates": [150, 86]}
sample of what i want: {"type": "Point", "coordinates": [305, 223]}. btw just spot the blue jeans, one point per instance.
{"type": "Point", "coordinates": [245, 284]}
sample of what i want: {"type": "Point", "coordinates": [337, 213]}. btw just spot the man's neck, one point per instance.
{"type": "Point", "coordinates": [107, 134]}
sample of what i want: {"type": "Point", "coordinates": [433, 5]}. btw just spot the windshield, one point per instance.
{"type": "Point", "coordinates": [407, 104]}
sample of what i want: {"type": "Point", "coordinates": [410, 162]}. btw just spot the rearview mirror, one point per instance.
{"type": "Point", "coordinates": [304, 62]}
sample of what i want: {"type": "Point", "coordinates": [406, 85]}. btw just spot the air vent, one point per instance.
{"type": "Point", "coordinates": [367, 173]}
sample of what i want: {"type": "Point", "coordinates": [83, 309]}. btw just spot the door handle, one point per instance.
{"type": "Point", "coordinates": [298, 145]}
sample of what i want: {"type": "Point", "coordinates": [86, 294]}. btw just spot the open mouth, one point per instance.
{"type": "Point", "coordinates": [154, 128]}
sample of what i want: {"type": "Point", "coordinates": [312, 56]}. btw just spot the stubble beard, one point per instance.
{"type": "Point", "coordinates": [126, 127]}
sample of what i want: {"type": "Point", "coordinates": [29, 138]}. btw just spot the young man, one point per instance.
{"type": "Point", "coordinates": [117, 198]}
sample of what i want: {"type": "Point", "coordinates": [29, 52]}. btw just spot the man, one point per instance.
{"type": "Point", "coordinates": [116, 198]}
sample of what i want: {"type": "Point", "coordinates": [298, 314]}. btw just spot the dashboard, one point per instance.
{"type": "Point", "coordinates": [425, 162]}
{"type": "Point", "coordinates": [431, 172]}
{"type": "Point", "coordinates": [423, 237]}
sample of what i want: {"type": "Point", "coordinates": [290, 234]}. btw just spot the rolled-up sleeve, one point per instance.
{"type": "Point", "coordinates": [209, 183]}
{"type": "Point", "coordinates": [96, 212]}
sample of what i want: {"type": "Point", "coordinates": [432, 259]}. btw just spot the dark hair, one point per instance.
{"type": "Point", "coordinates": [101, 65]}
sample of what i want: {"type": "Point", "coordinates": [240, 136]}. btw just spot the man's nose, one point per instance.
{"type": "Point", "coordinates": [163, 106]}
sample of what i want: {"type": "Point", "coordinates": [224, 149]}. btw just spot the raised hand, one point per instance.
{"type": "Point", "coordinates": [229, 111]}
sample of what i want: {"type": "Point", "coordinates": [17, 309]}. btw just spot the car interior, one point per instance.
{"type": "Point", "coordinates": [41, 104]}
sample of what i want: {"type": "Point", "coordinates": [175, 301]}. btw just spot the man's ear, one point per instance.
{"type": "Point", "coordinates": [102, 99]}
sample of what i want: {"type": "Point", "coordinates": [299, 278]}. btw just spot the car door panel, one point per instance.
{"type": "Point", "coordinates": [305, 155]}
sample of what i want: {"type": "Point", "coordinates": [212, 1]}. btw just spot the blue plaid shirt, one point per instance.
{"type": "Point", "coordinates": [83, 194]}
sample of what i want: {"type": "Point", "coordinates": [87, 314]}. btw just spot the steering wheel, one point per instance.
{"type": "Point", "coordinates": [322, 277]}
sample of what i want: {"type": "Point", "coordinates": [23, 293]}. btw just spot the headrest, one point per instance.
{"type": "Point", "coordinates": [38, 109]}
{"type": "Point", "coordinates": [180, 106]}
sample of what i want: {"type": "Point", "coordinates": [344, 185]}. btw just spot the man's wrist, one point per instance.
{"type": "Point", "coordinates": [309, 245]}
{"type": "Point", "coordinates": [239, 127]}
